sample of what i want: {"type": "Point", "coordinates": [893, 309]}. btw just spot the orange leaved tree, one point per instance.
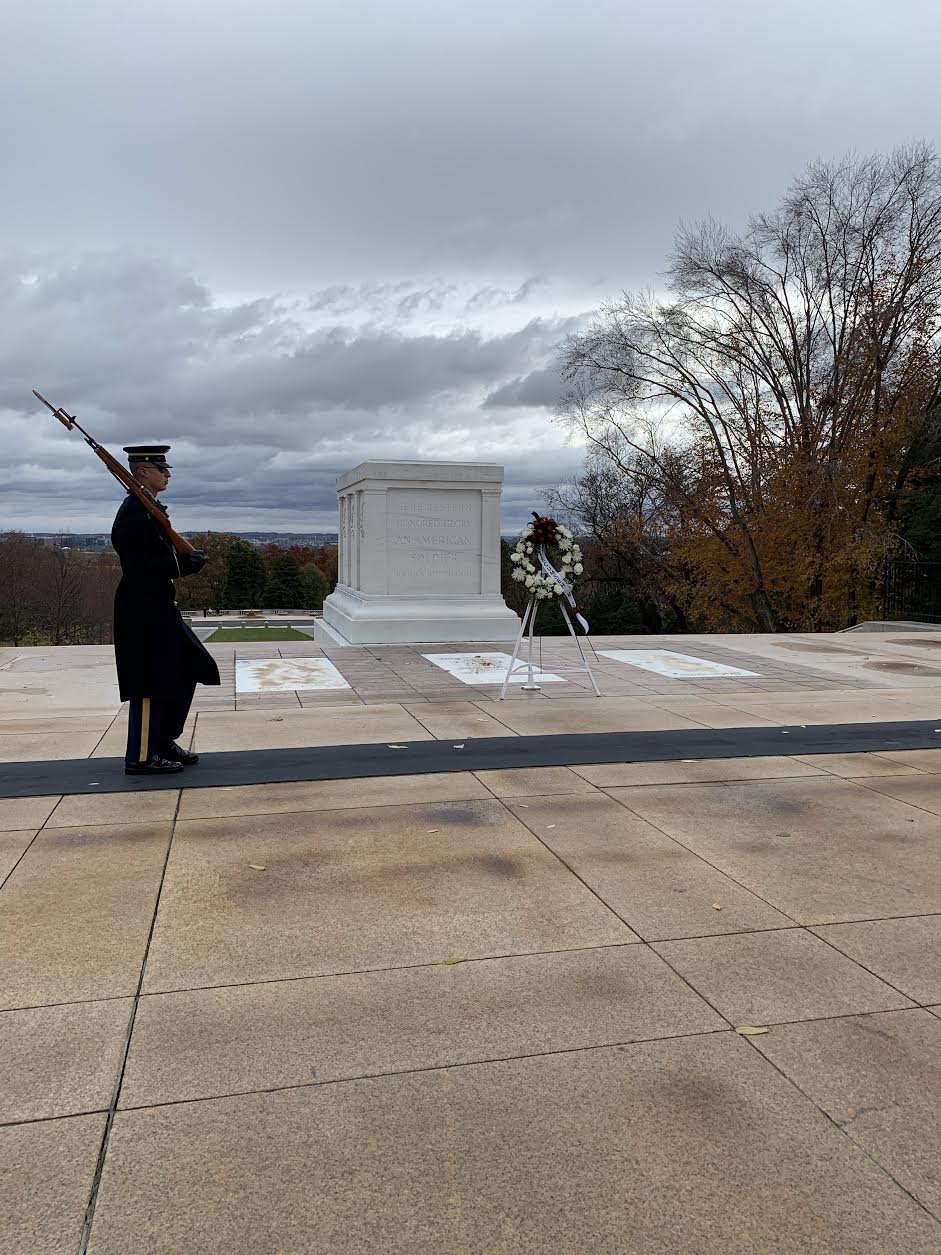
{"type": "Point", "coordinates": [780, 396]}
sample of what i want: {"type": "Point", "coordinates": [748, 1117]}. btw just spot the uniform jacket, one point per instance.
{"type": "Point", "coordinates": [157, 654]}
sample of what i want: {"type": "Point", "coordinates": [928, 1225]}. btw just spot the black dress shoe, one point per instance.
{"type": "Point", "coordinates": [177, 754]}
{"type": "Point", "coordinates": [154, 766]}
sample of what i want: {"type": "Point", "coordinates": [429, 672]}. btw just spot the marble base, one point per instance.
{"type": "Point", "coordinates": [284, 675]}
{"type": "Point", "coordinates": [354, 618]}
{"type": "Point", "coordinates": [489, 668]}
{"type": "Point", "coordinates": [675, 666]}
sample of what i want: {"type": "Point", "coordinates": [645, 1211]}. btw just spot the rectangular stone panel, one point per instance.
{"type": "Point", "coordinates": [433, 541]}
{"type": "Point", "coordinates": [281, 675]}
{"type": "Point", "coordinates": [489, 668]}
{"type": "Point", "coordinates": [676, 666]}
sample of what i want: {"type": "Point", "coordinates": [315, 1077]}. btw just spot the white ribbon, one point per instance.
{"type": "Point", "coordinates": [554, 575]}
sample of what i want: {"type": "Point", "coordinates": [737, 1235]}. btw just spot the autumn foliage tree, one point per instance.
{"type": "Point", "coordinates": [206, 590]}
{"type": "Point", "coordinates": [218, 586]}
{"type": "Point", "coordinates": [775, 407]}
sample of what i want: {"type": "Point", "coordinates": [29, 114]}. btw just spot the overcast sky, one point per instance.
{"type": "Point", "coordinates": [290, 236]}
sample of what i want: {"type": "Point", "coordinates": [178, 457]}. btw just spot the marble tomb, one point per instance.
{"type": "Point", "coordinates": [419, 556]}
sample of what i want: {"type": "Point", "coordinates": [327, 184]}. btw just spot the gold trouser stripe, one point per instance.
{"type": "Point", "coordinates": [144, 729]}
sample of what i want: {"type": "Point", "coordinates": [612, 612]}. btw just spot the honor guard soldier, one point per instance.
{"type": "Point", "coordinates": [159, 658]}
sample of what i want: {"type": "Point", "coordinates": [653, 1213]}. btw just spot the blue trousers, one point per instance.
{"type": "Point", "coordinates": [153, 723]}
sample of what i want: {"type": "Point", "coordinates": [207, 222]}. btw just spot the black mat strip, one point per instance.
{"type": "Point", "coordinates": [350, 762]}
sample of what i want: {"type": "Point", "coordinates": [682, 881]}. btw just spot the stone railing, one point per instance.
{"type": "Point", "coordinates": [249, 614]}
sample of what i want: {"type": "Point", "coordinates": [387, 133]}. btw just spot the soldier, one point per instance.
{"type": "Point", "coordinates": [159, 658]}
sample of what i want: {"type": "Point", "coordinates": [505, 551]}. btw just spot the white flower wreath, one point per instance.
{"type": "Point", "coordinates": [540, 583]}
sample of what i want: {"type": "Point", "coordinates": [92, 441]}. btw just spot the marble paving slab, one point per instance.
{"type": "Point", "coordinates": [675, 666]}
{"type": "Point", "coordinates": [488, 668]}
{"type": "Point", "coordinates": [280, 675]}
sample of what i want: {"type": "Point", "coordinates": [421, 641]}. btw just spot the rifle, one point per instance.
{"type": "Point", "coordinates": [124, 477]}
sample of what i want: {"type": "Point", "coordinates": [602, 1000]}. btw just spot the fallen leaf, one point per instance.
{"type": "Point", "coordinates": [748, 1031]}
{"type": "Point", "coordinates": [257, 867]}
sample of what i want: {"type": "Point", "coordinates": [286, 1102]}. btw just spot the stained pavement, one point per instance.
{"type": "Point", "coordinates": [495, 1010]}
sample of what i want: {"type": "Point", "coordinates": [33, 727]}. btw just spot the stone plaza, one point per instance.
{"type": "Point", "coordinates": [683, 998]}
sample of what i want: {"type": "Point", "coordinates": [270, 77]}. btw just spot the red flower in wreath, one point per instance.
{"type": "Point", "coordinates": [545, 530]}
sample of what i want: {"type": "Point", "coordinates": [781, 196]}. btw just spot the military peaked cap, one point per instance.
{"type": "Point", "coordinates": [155, 454]}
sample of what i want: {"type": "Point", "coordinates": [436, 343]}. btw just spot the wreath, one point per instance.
{"type": "Point", "coordinates": [542, 576]}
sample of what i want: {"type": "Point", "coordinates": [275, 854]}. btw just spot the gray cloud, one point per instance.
{"type": "Point", "coordinates": [264, 406]}
{"type": "Point", "coordinates": [295, 144]}
{"type": "Point", "coordinates": [125, 330]}
{"type": "Point", "coordinates": [540, 389]}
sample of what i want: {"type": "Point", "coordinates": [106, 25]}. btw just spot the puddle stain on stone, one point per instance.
{"type": "Point", "coordinates": [109, 835]}
{"type": "Point", "coordinates": [469, 815]}
{"type": "Point", "coordinates": [656, 856]}
{"type": "Point", "coordinates": [761, 846]}
{"type": "Point", "coordinates": [864, 1026]}
{"type": "Point", "coordinates": [498, 865]}
{"type": "Point", "coordinates": [703, 1101]}
{"type": "Point", "coordinates": [614, 858]}
{"type": "Point", "coordinates": [305, 877]}
{"type": "Point", "coordinates": [891, 838]}
{"type": "Point", "coordinates": [777, 805]}
{"type": "Point", "coordinates": [903, 667]}
{"type": "Point", "coordinates": [805, 647]}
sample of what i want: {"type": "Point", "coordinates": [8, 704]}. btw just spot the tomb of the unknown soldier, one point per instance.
{"type": "Point", "coordinates": [419, 556]}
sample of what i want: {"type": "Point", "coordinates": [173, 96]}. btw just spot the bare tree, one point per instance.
{"type": "Point", "coordinates": [61, 587]}
{"type": "Point", "coordinates": [18, 592]}
{"type": "Point", "coordinates": [101, 576]}
{"type": "Point", "coordinates": [56, 596]}
{"type": "Point", "coordinates": [776, 398]}
{"type": "Point", "coordinates": [623, 515]}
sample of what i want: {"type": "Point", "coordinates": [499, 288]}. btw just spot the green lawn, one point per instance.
{"type": "Point", "coordinates": [258, 634]}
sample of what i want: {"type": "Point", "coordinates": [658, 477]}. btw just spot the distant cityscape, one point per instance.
{"type": "Point", "coordinates": [102, 540]}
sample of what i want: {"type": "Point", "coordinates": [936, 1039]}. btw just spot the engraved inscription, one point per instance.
{"type": "Point", "coordinates": [433, 541]}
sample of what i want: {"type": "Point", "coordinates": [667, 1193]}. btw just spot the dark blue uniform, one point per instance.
{"type": "Point", "coordinates": [159, 658]}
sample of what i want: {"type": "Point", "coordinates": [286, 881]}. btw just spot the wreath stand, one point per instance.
{"type": "Point", "coordinates": [526, 629]}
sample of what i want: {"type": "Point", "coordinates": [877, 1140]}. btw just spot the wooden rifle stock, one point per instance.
{"type": "Point", "coordinates": [124, 477]}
